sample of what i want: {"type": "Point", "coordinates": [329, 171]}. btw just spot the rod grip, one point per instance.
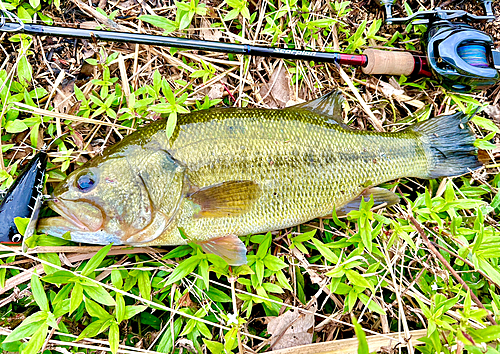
{"type": "Point", "coordinates": [384, 62]}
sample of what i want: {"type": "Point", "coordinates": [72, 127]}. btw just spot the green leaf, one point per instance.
{"type": "Point", "coordinates": [325, 251]}
{"type": "Point", "coordinates": [39, 293]}
{"type": "Point", "coordinates": [183, 269]}
{"type": "Point", "coordinates": [372, 305]}
{"type": "Point", "coordinates": [356, 279]}
{"type": "Point", "coordinates": [15, 126]}
{"type": "Point", "coordinates": [214, 347]}
{"type": "Point", "coordinates": [76, 298]}
{"type": "Point", "coordinates": [231, 15]}
{"type": "Point", "coordinates": [216, 295]}
{"type": "Point", "coordinates": [486, 124]}
{"type": "Point", "coordinates": [95, 310]}
{"type": "Point", "coordinates": [36, 341]}
{"type": "Point", "coordinates": [274, 263]}
{"type": "Point", "coordinates": [95, 261]}
{"type": "Point", "coordinates": [264, 246]}
{"type": "Point", "coordinates": [60, 277]}
{"type": "Point", "coordinates": [360, 334]}
{"type": "Point", "coordinates": [93, 329]}
{"type": "Point", "coordinates": [171, 124]}
{"type": "Point", "coordinates": [116, 278]}
{"type": "Point", "coordinates": [24, 70]}
{"type": "Point", "coordinates": [131, 311]}
{"type": "Point", "coordinates": [114, 337]}
{"type": "Point", "coordinates": [52, 258]}
{"type": "Point", "coordinates": [27, 328]}
{"type": "Point", "coordinates": [167, 340]}
{"type": "Point", "coordinates": [120, 308]}
{"type": "Point", "coordinates": [34, 3]}
{"type": "Point", "coordinates": [100, 295]}
{"type": "Point", "coordinates": [144, 284]}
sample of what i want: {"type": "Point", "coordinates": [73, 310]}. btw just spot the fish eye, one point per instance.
{"type": "Point", "coordinates": [86, 182]}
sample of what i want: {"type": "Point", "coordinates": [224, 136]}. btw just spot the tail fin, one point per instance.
{"type": "Point", "coordinates": [449, 145]}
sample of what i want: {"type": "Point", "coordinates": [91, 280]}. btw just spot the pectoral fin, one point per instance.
{"type": "Point", "coordinates": [225, 199]}
{"type": "Point", "coordinates": [380, 196]}
{"type": "Point", "coordinates": [230, 248]}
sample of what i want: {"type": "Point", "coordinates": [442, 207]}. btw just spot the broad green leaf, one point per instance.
{"type": "Point", "coordinates": [76, 298]}
{"type": "Point", "coordinates": [95, 261]}
{"type": "Point", "coordinates": [24, 70]}
{"type": "Point", "coordinates": [36, 341]}
{"type": "Point", "coordinates": [27, 328]}
{"type": "Point", "coordinates": [184, 268]}
{"type": "Point", "coordinates": [167, 341]}
{"type": "Point", "coordinates": [356, 279]}
{"type": "Point", "coordinates": [39, 293]}
{"type": "Point", "coordinates": [100, 295]}
{"type": "Point", "coordinates": [144, 284]}
{"type": "Point", "coordinates": [120, 308]}
{"type": "Point", "coordinates": [131, 311]}
{"type": "Point", "coordinates": [360, 334]}
{"type": "Point", "coordinates": [52, 258]}
{"type": "Point", "coordinates": [15, 126]}
{"type": "Point", "coordinates": [114, 337]}
{"type": "Point", "coordinates": [171, 124]}
{"type": "Point", "coordinates": [60, 277]}
{"type": "Point", "coordinates": [214, 347]}
{"type": "Point", "coordinates": [116, 278]}
{"type": "Point", "coordinates": [325, 251]}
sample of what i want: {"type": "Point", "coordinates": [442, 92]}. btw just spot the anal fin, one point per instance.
{"type": "Point", "coordinates": [230, 248]}
{"type": "Point", "coordinates": [226, 199]}
{"type": "Point", "coordinates": [380, 196]}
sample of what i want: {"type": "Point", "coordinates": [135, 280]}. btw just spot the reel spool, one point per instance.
{"type": "Point", "coordinates": [461, 56]}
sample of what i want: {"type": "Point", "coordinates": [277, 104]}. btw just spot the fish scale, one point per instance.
{"type": "Point", "coordinates": [231, 172]}
{"type": "Point", "coordinates": [300, 161]}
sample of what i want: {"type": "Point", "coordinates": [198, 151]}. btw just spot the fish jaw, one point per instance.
{"type": "Point", "coordinates": [60, 226]}
{"type": "Point", "coordinates": [84, 216]}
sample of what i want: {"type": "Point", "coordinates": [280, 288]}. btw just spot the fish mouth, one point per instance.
{"type": "Point", "coordinates": [67, 208]}
{"type": "Point", "coordinates": [59, 227]}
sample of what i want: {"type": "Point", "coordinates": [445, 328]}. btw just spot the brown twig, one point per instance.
{"type": "Point", "coordinates": [439, 256]}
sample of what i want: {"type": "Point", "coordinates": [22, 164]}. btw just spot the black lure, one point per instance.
{"type": "Point", "coordinates": [23, 199]}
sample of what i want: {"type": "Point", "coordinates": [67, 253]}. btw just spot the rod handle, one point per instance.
{"type": "Point", "coordinates": [384, 62]}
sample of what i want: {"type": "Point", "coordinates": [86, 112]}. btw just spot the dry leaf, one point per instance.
{"type": "Point", "coordinates": [493, 112]}
{"type": "Point", "coordinates": [64, 98]}
{"type": "Point", "coordinates": [216, 91]}
{"type": "Point", "coordinates": [291, 329]}
{"type": "Point", "coordinates": [280, 89]}
{"type": "Point", "coordinates": [208, 33]}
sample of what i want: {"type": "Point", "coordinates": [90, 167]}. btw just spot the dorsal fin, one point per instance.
{"type": "Point", "coordinates": [329, 106]}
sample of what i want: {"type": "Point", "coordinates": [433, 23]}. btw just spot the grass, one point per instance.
{"type": "Point", "coordinates": [424, 272]}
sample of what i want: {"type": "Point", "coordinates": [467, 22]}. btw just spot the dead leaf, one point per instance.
{"type": "Point", "coordinates": [291, 329]}
{"type": "Point", "coordinates": [64, 99]}
{"type": "Point", "coordinates": [216, 91]}
{"type": "Point", "coordinates": [493, 112]}
{"type": "Point", "coordinates": [208, 33]}
{"type": "Point", "coordinates": [276, 92]}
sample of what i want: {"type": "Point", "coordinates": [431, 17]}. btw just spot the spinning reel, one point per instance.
{"type": "Point", "coordinates": [460, 57]}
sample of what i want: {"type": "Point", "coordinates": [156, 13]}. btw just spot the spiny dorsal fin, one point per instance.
{"type": "Point", "coordinates": [230, 248]}
{"type": "Point", "coordinates": [329, 106]}
{"type": "Point", "coordinates": [380, 196]}
{"type": "Point", "coordinates": [225, 199]}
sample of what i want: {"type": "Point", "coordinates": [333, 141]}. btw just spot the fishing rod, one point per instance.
{"type": "Point", "coordinates": [459, 56]}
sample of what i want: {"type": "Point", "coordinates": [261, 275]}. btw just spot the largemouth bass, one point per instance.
{"type": "Point", "coordinates": [230, 172]}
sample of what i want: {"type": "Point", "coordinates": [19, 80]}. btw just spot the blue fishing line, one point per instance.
{"type": "Point", "coordinates": [474, 54]}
